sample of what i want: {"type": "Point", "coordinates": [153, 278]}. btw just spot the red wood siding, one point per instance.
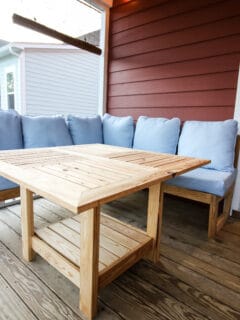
{"type": "Point", "coordinates": [174, 58]}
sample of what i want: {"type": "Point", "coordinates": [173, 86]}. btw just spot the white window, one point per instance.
{"type": "Point", "coordinates": [10, 87]}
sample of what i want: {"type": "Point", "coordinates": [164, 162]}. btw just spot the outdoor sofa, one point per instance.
{"type": "Point", "coordinates": [216, 140]}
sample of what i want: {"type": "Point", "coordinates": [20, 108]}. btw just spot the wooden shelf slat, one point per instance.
{"type": "Point", "coordinates": [73, 236]}
{"type": "Point", "coordinates": [120, 247]}
{"type": "Point", "coordinates": [62, 264]}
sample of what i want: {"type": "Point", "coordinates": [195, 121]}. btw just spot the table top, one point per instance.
{"type": "Point", "coordinates": [83, 176]}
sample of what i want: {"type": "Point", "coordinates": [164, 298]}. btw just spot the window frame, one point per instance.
{"type": "Point", "coordinates": [10, 69]}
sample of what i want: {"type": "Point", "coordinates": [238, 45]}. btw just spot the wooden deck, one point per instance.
{"type": "Point", "coordinates": [195, 279]}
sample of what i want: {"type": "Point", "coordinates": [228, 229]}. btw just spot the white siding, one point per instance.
{"type": "Point", "coordinates": [61, 82]}
{"type": "Point", "coordinates": [6, 63]}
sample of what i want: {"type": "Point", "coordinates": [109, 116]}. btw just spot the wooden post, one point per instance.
{"type": "Point", "coordinates": [160, 216]}
{"type": "Point", "coordinates": [154, 219]}
{"type": "Point", "coordinates": [89, 257]}
{"type": "Point", "coordinates": [212, 219]}
{"type": "Point", "coordinates": [27, 223]}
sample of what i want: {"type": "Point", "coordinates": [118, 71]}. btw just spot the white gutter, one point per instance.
{"type": "Point", "coordinates": [14, 50]}
{"type": "Point", "coordinates": [10, 49]}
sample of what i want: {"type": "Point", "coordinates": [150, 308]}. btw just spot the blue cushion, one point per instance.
{"type": "Point", "coordinates": [118, 131]}
{"type": "Point", "coordinates": [45, 132]}
{"type": "Point", "coordinates": [6, 184]}
{"type": "Point", "coordinates": [206, 180]}
{"type": "Point", "coordinates": [210, 140]}
{"type": "Point", "coordinates": [157, 134]}
{"type": "Point", "coordinates": [10, 130]}
{"type": "Point", "coordinates": [85, 129]}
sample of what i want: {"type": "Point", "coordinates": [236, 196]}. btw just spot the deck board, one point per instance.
{"type": "Point", "coordinates": [193, 284]}
{"type": "Point", "coordinates": [12, 307]}
{"type": "Point", "coordinates": [31, 290]}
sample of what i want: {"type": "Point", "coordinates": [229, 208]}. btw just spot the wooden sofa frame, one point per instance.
{"type": "Point", "coordinates": [216, 220]}
{"type": "Point", "coordinates": [9, 194]}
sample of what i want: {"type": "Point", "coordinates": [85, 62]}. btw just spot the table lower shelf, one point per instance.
{"type": "Point", "coordinates": [121, 245]}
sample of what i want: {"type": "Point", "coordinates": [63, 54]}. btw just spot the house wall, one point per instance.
{"type": "Point", "coordinates": [61, 82]}
{"type": "Point", "coordinates": [8, 63]}
{"type": "Point", "coordinates": [174, 58]}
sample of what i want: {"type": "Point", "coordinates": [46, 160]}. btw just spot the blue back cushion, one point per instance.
{"type": "Point", "coordinates": [157, 134]}
{"type": "Point", "coordinates": [10, 130]}
{"type": "Point", "coordinates": [85, 129]}
{"type": "Point", "coordinates": [118, 131]}
{"type": "Point", "coordinates": [45, 131]}
{"type": "Point", "coordinates": [213, 140]}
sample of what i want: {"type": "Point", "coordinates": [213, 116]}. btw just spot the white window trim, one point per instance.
{"type": "Point", "coordinates": [103, 70]}
{"type": "Point", "coordinates": [236, 195]}
{"type": "Point", "coordinates": [1, 91]}
{"type": "Point", "coordinates": [22, 72]}
{"type": "Point", "coordinates": [104, 6]}
{"type": "Point", "coordinates": [9, 69]}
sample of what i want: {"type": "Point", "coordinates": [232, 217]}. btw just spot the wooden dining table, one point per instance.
{"type": "Point", "coordinates": [91, 248]}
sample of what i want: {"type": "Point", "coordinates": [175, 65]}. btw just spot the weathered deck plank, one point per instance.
{"type": "Point", "coordinates": [38, 297]}
{"type": "Point", "coordinates": [184, 292]}
{"type": "Point", "coordinates": [182, 286]}
{"type": "Point", "coordinates": [12, 307]}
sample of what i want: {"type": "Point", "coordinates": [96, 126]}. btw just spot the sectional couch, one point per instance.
{"type": "Point", "coordinates": [210, 140]}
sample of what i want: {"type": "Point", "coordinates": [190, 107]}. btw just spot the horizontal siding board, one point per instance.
{"type": "Point", "coordinates": [223, 63]}
{"type": "Point", "coordinates": [189, 99]}
{"type": "Point", "coordinates": [179, 58]}
{"type": "Point", "coordinates": [188, 36]}
{"type": "Point", "coordinates": [167, 9]}
{"type": "Point", "coordinates": [126, 8]}
{"type": "Point", "coordinates": [61, 82]}
{"type": "Point", "coordinates": [200, 16]}
{"type": "Point", "coordinates": [226, 80]}
{"type": "Point", "coordinates": [204, 49]}
{"type": "Point", "coordinates": [68, 87]}
{"type": "Point", "coordinates": [120, 2]}
{"type": "Point", "coordinates": [184, 113]}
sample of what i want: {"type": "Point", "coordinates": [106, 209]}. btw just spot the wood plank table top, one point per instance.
{"type": "Point", "coordinates": [80, 177]}
{"type": "Point", "coordinates": [91, 249]}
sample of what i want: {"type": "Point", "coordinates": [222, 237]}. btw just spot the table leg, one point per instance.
{"type": "Point", "coordinates": [27, 223]}
{"type": "Point", "coordinates": [154, 219]}
{"type": "Point", "coordinates": [89, 254]}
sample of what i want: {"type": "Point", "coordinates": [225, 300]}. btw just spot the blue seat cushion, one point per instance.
{"type": "Point", "coordinates": [85, 129]}
{"type": "Point", "coordinates": [10, 130]}
{"type": "Point", "coordinates": [157, 134]}
{"type": "Point", "coordinates": [213, 140]}
{"type": "Point", "coordinates": [205, 180]}
{"type": "Point", "coordinates": [118, 131]}
{"type": "Point", "coordinates": [7, 184]}
{"type": "Point", "coordinates": [45, 131]}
